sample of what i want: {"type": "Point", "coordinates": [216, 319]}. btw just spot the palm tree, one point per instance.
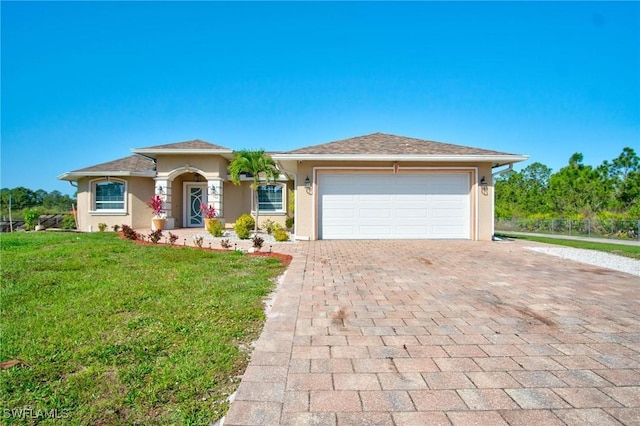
{"type": "Point", "coordinates": [258, 165]}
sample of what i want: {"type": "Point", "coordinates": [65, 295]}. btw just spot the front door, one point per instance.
{"type": "Point", "coordinates": [196, 197]}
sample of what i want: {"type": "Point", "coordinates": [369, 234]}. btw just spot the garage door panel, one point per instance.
{"type": "Point", "coordinates": [376, 231]}
{"type": "Point", "coordinates": [339, 213]}
{"type": "Point", "coordinates": [447, 215]}
{"type": "Point", "coordinates": [337, 232]}
{"type": "Point", "coordinates": [412, 213]}
{"type": "Point", "coordinates": [444, 231]}
{"type": "Point", "coordinates": [376, 198]}
{"type": "Point", "coordinates": [378, 213]}
{"type": "Point", "coordinates": [409, 232]}
{"type": "Point", "coordinates": [374, 206]}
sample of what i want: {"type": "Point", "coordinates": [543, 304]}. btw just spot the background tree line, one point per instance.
{"type": "Point", "coordinates": [576, 191]}
{"type": "Point", "coordinates": [43, 202]}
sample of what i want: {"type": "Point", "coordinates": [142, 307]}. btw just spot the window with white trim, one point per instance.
{"type": "Point", "coordinates": [271, 198]}
{"type": "Point", "coordinates": [108, 195]}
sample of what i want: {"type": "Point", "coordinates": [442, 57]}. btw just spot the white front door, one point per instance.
{"type": "Point", "coordinates": [196, 196]}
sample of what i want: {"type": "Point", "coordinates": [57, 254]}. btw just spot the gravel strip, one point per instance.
{"type": "Point", "coordinates": [593, 257]}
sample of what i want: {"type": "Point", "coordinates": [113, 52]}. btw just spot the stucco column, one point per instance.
{"type": "Point", "coordinates": [215, 196]}
{"type": "Point", "coordinates": [163, 189]}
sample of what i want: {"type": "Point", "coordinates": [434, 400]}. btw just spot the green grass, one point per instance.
{"type": "Point", "coordinates": [619, 249]}
{"type": "Point", "coordinates": [120, 333]}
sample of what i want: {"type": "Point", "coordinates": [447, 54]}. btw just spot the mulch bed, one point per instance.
{"type": "Point", "coordinates": [284, 258]}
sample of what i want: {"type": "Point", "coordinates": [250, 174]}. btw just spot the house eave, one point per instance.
{"type": "Point", "coordinates": [496, 159]}
{"type": "Point", "coordinates": [74, 176]}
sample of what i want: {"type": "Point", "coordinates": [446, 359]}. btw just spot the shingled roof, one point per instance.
{"type": "Point", "coordinates": [133, 165]}
{"type": "Point", "coordinates": [386, 144]}
{"type": "Point", "coordinates": [195, 144]}
{"type": "Point", "coordinates": [385, 147]}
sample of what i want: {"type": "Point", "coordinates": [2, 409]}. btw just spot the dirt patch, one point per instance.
{"type": "Point", "coordinates": [337, 318]}
{"type": "Point", "coordinates": [534, 315]}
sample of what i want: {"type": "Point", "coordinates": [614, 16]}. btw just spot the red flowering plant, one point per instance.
{"type": "Point", "coordinates": [156, 205]}
{"type": "Point", "coordinates": [209, 212]}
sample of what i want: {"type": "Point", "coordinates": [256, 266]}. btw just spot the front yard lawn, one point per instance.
{"type": "Point", "coordinates": [120, 333]}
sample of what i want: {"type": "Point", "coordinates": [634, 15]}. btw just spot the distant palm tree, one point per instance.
{"type": "Point", "coordinates": [258, 165]}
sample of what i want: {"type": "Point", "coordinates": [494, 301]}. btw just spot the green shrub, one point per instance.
{"type": "Point", "coordinates": [281, 235]}
{"type": "Point", "coordinates": [215, 228]}
{"type": "Point", "coordinates": [289, 223]}
{"type": "Point", "coordinates": [102, 227]}
{"type": "Point", "coordinates": [30, 219]}
{"type": "Point", "coordinates": [268, 225]}
{"type": "Point", "coordinates": [68, 222]}
{"type": "Point", "coordinates": [243, 226]}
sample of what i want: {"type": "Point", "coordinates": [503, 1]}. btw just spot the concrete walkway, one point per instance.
{"type": "Point", "coordinates": [444, 332]}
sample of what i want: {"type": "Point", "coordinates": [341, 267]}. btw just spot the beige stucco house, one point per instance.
{"type": "Point", "coordinates": [377, 186]}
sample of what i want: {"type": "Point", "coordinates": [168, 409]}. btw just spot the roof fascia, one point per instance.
{"type": "Point", "coordinates": [430, 158]}
{"type": "Point", "coordinates": [73, 176]}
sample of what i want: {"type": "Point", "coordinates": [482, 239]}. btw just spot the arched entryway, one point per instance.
{"type": "Point", "coordinates": [186, 190]}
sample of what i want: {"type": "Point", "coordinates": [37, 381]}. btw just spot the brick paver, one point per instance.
{"type": "Point", "coordinates": [443, 332]}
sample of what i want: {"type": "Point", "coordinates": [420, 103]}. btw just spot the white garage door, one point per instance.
{"type": "Point", "coordinates": [383, 206]}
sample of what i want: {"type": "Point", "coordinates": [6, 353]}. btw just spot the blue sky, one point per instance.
{"type": "Point", "coordinates": [83, 82]}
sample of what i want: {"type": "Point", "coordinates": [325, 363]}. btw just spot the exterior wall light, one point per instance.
{"type": "Point", "coordinates": [484, 186]}
{"type": "Point", "coordinates": [307, 185]}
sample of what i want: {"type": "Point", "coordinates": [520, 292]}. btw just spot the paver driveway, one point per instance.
{"type": "Point", "coordinates": [444, 332]}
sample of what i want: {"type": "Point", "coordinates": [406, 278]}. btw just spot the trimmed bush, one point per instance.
{"type": "Point", "coordinates": [215, 228]}
{"type": "Point", "coordinates": [244, 225]}
{"type": "Point", "coordinates": [281, 235]}
{"type": "Point", "coordinates": [289, 223]}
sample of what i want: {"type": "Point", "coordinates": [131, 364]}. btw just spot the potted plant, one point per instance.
{"type": "Point", "coordinates": [211, 222]}
{"type": "Point", "coordinates": [159, 219]}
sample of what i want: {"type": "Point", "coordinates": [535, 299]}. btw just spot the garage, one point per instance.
{"type": "Point", "coordinates": [394, 206]}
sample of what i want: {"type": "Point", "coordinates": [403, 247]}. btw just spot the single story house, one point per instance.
{"type": "Point", "coordinates": [377, 186]}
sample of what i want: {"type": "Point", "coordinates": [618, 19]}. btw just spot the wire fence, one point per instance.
{"type": "Point", "coordinates": [591, 228]}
